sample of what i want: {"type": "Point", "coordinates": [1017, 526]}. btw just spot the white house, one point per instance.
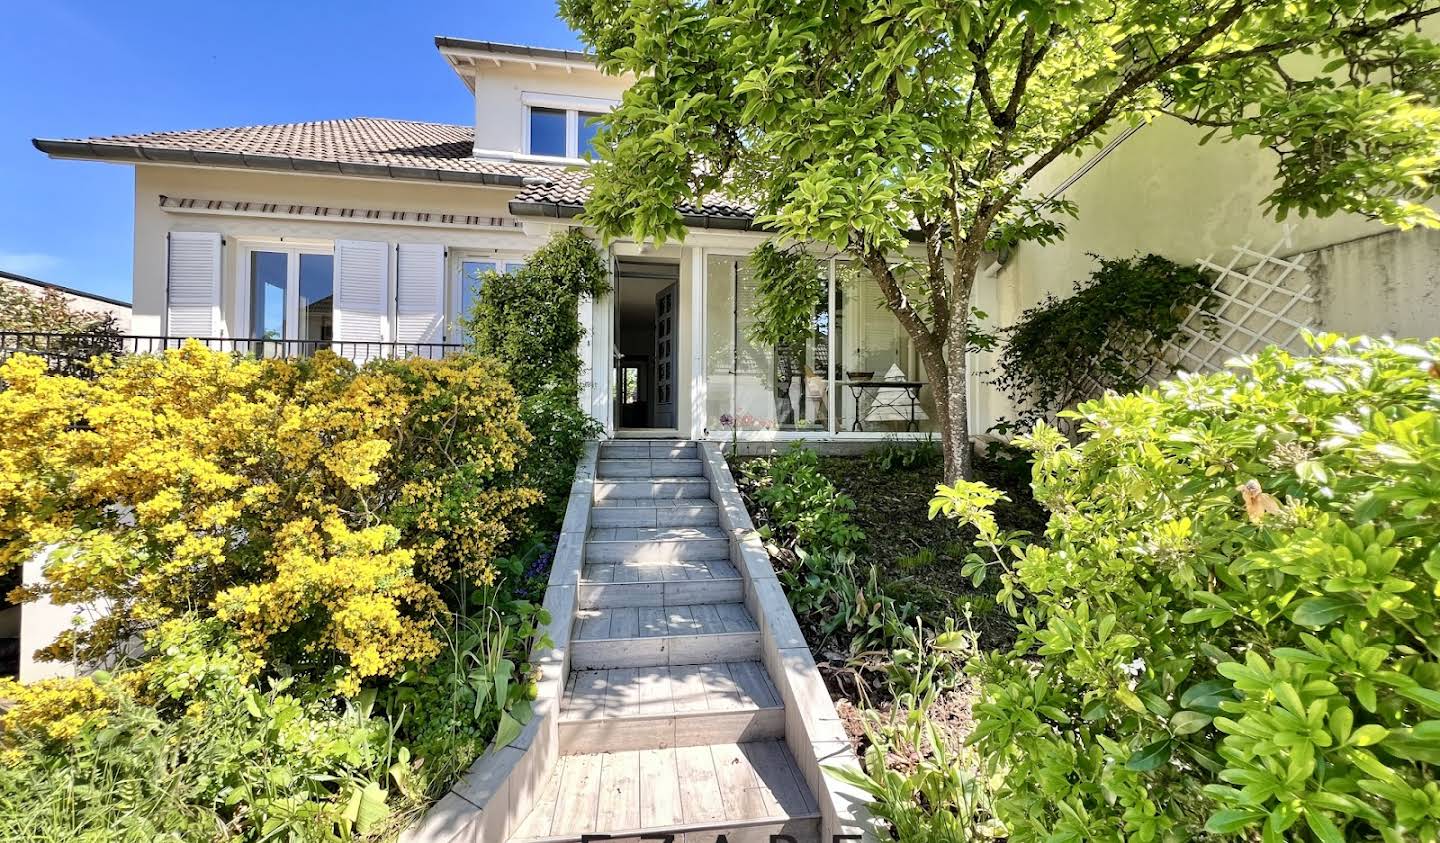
{"type": "Point", "coordinates": [356, 232]}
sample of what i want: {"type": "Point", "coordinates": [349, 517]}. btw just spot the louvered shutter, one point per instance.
{"type": "Point", "coordinates": [420, 294]}
{"type": "Point", "coordinates": [362, 298]}
{"type": "Point", "coordinates": [192, 284]}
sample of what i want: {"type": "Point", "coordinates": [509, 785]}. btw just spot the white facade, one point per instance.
{"type": "Point", "coordinates": [236, 253]}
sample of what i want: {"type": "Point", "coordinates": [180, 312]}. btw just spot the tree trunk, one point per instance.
{"type": "Point", "coordinates": [959, 455]}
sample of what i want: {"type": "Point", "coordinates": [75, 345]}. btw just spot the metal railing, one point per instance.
{"type": "Point", "coordinates": [70, 353]}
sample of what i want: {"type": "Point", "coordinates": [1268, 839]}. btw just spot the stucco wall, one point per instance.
{"type": "Point", "coordinates": [1161, 191]}
{"type": "Point", "coordinates": [152, 222]}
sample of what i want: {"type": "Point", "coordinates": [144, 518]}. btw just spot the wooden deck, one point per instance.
{"type": "Point", "coordinates": [731, 788]}
{"type": "Point", "coordinates": [669, 722]}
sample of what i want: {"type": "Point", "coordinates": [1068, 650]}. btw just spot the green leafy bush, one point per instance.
{"type": "Point", "coordinates": [187, 748]}
{"type": "Point", "coordinates": [1106, 336]}
{"type": "Point", "coordinates": [909, 456]}
{"type": "Point", "coordinates": [530, 318]}
{"type": "Point", "coordinates": [802, 502]}
{"type": "Point", "coordinates": [1233, 628]}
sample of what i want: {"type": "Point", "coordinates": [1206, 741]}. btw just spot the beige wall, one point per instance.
{"type": "Point", "coordinates": [1160, 191]}
{"type": "Point", "coordinates": [152, 223]}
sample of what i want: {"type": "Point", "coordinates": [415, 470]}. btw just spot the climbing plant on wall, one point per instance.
{"type": "Point", "coordinates": [1109, 335]}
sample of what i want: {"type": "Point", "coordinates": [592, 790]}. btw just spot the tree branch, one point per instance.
{"type": "Point", "coordinates": [1357, 31]}
{"type": "Point", "coordinates": [1135, 80]}
{"type": "Point", "coordinates": [895, 297]}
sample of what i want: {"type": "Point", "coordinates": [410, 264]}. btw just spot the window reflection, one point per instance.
{"type": "Point", "coordinates": [547, 131]}
{"type": "Point", "coordinates": [317, 297]}
{"type": "Point", "coordinates": [269, 273]}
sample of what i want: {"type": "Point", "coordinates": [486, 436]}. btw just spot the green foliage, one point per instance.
{"type": "Point", "coordinates": [561, 430]}
{"type": "Point", "coordinates": [529, 319]}
{"type": "Point", "coordinates": [894, 455]}
{"type": "Point", "coordinates": [788, 284]}
{"type": "Point", "coordinates": [1233, 629]}
{"type": "Point", "coordinates": [190, 750]}
{"type": "Point", "coordinates": [813, 514]}
{"type": "Point", "coordinates": [1107, 335]}
{"type": "Point", "coordinates": [887, 129]}
{"type": "Point", "coordinates": [228, 714]}
{"type": "Point", "coordinates": [49, 311]}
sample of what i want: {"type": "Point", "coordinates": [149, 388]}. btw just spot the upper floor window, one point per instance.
{"type": "Point", "coordinates": [562, 127]}
{"type": "Point", "coordinates": [547, 132]}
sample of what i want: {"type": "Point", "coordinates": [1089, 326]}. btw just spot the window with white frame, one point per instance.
{"type": "Point", "coordinates": [470, 275]}
{"type": "Point", "coordinates": [290, 292]}
{"type": "Point", "coordinates": [562, 126]}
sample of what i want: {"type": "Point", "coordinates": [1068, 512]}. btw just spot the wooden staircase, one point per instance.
{"type": "Point", "coordinates": [670, 723]}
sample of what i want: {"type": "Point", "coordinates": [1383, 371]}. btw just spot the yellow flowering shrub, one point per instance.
{"type": "Point", "coordinates": [51, 710]}
{"type": "Point", "coordinates": [316, 508]}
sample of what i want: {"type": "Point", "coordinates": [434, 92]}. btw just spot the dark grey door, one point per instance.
{"type": "Point", "coordinates": [665, 357]}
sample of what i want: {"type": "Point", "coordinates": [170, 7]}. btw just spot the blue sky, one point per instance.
{"type": "Point", "coordinates": [76, 68]}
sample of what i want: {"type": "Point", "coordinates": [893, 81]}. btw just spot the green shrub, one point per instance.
{"type": "Point", "coordinates": [1106, 336]}
{"type": "Point", "coordinates": [802, 503]}
{"type": "Point", "coordinates": [1233, 629]}
{"type": "Point", "coordinates": [530, 318]}
{"type": "Point", "coordinates": [894, 454]}
{"type": "Point", "coordinates": [188, 749]}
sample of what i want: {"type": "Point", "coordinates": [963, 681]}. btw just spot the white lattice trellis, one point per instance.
{"type": "Point", "coordinates": [1258, 302]}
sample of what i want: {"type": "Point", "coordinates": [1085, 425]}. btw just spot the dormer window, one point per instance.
{"type": "Point", "coordinates": [548, 128]}
{"type": "Point", "coordinates": [562, 127]}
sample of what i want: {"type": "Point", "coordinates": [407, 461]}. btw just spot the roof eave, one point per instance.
{"type": "Point", "coordinates": [138, 154]}
{"type": "Point", "coordinates": [566, 211]}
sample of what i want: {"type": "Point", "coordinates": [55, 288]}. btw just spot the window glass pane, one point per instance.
{"type": "Point", "coordinates": [268, 275]}
{"type": "Point", "coordinates": [317, 297]}
{"type": "Point", "coordinates": [547, 131]}
{"type": "Point", "coordinates": [768, 387]}
{"type": "Point", "coordinates": [874, 348]}
{"type": "Point", "coordinates": [589, 128]}
{"type": "Point", "coordinates": [719, 339]}
{"type": "Point", "coordinates": [472, 276]}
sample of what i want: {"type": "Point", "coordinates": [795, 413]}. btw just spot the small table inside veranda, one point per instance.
{"type": "Point", "coordinates": [905, 400]}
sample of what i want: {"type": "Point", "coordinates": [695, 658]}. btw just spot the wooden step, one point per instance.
{"type": "Point", "coordinates": [641, 512]}
{"type": "Point", "coordinates": [625, 468]}
{"type": "Point", "coordinates": [746, 791]}
{"type": "Point", "coordinates": [643, 450]}
{"type": "Point", "coordinates": [658, 707]}
{"type": "Point", "coordinates": [666, 583]}
{"type": "Point", "coordinates": [644, 544]}
{"type": "Point", "coordinates": [678, 488]}
{"type": "Point", "coordinates": [663, 635]}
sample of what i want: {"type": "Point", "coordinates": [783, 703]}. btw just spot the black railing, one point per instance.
{"type": "Point", "coordinates": [70, 353]}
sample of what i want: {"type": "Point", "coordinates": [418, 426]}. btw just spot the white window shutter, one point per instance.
{"type": "Point", "coordinates": [192, 284]}
{"type": "Point", "coordinates": [362, 297]}
{"type": "Point", "coordinates": [420, 293]}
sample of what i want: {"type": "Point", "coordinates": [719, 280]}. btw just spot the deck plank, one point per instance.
{"type": "Point", "coordinates": [660, 798]}
{"type": "Point", "coordinates": [619, 797]}
{"type": "Point", "coordinates": [699, 788]}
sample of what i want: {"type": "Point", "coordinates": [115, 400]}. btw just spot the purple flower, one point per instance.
{"type": "Point", "coordinates": [727, 420]}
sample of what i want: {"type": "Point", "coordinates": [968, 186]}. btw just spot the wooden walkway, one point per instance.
{"type": "Point", "coordinates": [670, 723]}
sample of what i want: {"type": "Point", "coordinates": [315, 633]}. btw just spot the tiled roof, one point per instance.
{"type": "Point", "coordinates": [357, 146]}
{"type": "Point", "coordinates": [371, 146]}
{"type": "Point", "coordinates": [567, 191]}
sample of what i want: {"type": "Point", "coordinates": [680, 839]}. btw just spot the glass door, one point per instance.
{"type": "Point", "coordinates": [292, 301]}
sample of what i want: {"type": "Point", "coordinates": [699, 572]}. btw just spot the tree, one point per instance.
{"type": "Point", "coordinates": [894, 127]}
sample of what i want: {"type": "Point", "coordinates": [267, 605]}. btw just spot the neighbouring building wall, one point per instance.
{"type": "Point", "coordinates": [1160, 191]}
{"type": "Point", "coordinates": [153, 223]}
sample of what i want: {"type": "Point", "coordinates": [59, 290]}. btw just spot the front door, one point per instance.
{"type": "Point", "coordinates": [665, 357]}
